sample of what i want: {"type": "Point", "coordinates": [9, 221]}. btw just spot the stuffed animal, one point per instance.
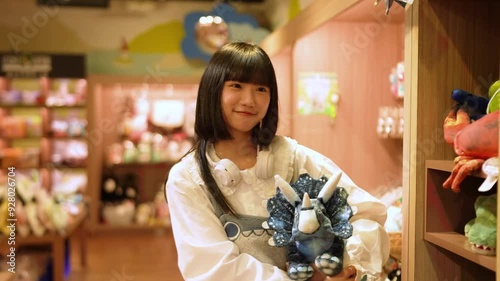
{"type": "Point", "coordinates": [311, 218]}
{"type": "Point", "coordinates": [482, 231]}
{"type": "Point", "coordinates": [473, 141]}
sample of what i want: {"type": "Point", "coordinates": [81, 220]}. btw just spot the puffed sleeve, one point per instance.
{"type": "Point", "coordinates": [369, 246]}
{"type": "Point", "coordinates": [204, 251]}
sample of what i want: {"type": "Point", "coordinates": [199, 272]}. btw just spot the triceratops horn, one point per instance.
{"type": "Point", "coordinates": [329, 187]}
{"type": "Point", "coordinates": [287, 190]}
{"type": "Point", "coordinates": [306, 201]}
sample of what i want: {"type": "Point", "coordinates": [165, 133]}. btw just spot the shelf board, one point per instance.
{"type": "Point", "coordinates": [52, 137]}
{"type": "Point", "coordinates": [52, 166]}
{"type": "Point", "coordinates": [76, 106]}
{"type": "Point", "coordinates": [448, 165]}
{"type": "Point", "coordinates": [108, 227]}
{"type": "Point", "coordinates": [458, 244]}
{"type": "Point", "coordinates": [144, 164]}
{"type": "Point", "coordinates": [33, 138]}
{"type": "Point", "coordinates": [21, 105]}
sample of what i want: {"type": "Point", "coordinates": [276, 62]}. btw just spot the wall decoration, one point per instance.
{"type": "Point", "coordinates": [129, 38]}
{"type": "Point", "coordinates": [205, 32]}
{"type": "Point", "coordinates": [318, 93]}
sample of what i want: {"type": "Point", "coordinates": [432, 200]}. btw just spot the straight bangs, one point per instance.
{"type": "Point", "coordinates": [250, 68]}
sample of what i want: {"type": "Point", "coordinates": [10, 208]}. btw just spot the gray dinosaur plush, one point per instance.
{"type": "Point", "coordinates": [311, 218]}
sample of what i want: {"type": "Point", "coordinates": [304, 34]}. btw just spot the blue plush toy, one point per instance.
{"type": "Point", "coordinates": [310, 217]}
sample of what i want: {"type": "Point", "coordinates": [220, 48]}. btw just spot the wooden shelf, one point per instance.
{"type": "Point", "coordinates": [98, 228]}
{"type": "Point", "coordinates": [22, 105]}
{"type": "Point", "coordinates": [50, 237]}
{"type": "Point", "coordinates": [76, 106]}
{"type": "Point", "coordinates": [143, 165]}
{"type": "Point", "coordinates": [458, 244]}
{"type": "Point", "coordinates": [448, 165]}
{"type": "Point", "coordinates": [443, 225]}
{"type": "Point", "coordinates": [57, 242]}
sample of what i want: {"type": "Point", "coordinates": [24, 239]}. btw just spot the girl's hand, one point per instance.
{"type": "Point", "coordinates": [347, 274]}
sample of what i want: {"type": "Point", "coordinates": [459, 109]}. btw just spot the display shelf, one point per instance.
{"type": "Point", "coordinates": [10, 106]}
{"type": "Point", "coordinates": [122, 149]}
{"type": "Point", "coordinates": [28, 127]}
{"type": "Point", "coordinates": [130, 227]}
{"type": "Point", "coordinates": [57, 242]}
{"type": "Point", "coordinates": [448, 45]}
{"type": "Point", "coordinates": [447, 212]}
{"type": "Point", "coordinates": [457, 243]}
{"type": "Point", "coordinates": [143, 165]}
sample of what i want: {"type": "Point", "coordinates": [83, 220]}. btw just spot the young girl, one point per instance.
{"type": "Point", "coordinates": [218, 192]}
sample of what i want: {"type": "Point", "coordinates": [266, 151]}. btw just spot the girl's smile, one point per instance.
{"type": "Point", "coordinates": [244, 105]}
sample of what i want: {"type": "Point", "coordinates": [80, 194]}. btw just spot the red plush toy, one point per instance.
{"type": "Point", "coordinates": [473, 143]}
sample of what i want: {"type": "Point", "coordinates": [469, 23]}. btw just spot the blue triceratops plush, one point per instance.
{"type": "Point", "coordinates": [311, 218]}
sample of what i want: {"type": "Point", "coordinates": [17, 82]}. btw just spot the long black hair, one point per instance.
{"type": "Point", "coordinates": [236, 61]}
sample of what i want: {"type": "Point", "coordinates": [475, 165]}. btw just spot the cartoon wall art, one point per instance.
{"type": "Point", "coordinates": [205, 32]}
{"type": "Point", "coordinates": [318, 93]}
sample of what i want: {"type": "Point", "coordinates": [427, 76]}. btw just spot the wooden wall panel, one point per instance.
{"type": "Point", "coordinates": [283, 68]}
{"type": "Point", "coordinates": [362, 55]}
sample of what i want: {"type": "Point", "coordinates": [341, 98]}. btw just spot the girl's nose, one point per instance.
{"type": "Point", "coordinates": [248, 97]}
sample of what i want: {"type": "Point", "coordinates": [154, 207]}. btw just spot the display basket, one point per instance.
{"type": "Point", "coordinates": [396, 244]}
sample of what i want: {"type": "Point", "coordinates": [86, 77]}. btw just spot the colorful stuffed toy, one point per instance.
{"type": "Point", "coordinates": [311, 218]}
{"type": "Point", "coordinates": [472, 130]}
{"type": "Point", "coordinates": [482, 231]}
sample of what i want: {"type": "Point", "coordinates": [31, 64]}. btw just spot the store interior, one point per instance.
{"type": "Point", "coordinates": [97, 103]}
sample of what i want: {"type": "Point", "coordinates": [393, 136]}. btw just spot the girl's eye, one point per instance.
{"type": "Point", "coordinates": [235, 85]}
{"type": "Point", "coordinates": [263, 89]}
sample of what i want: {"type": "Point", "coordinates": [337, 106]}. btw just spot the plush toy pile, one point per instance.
{"type": "Point", "coordinates": [37, 211]}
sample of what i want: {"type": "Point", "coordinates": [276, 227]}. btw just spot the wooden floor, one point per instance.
{"type": "Point", "coordinates": [130, 256]}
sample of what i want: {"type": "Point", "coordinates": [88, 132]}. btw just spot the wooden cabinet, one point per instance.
{"type": "Point", "coordinates": [43, 126]}
{"type": "Point", "coordinates": [43, 131]}
{"type": "Point", "coordinates": [446, 214]}
{"type": "Point", "coordinates": [449, 45]}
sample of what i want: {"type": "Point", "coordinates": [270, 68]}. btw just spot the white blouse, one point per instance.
{"type": "Point", "coordinates": [203, 248]}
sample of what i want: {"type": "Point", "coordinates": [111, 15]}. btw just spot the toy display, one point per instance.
{"type": "Point", "coordinates": [311, 218]}
{"type": "Point", "coordinates": [482, 230]}
{"type": "Point", "coordinates": [473, 141]}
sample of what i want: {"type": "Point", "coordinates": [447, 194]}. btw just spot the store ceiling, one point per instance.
{"type": "Point", "coordinates": [105, 3]}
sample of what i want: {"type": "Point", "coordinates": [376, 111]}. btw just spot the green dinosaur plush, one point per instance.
{"type": "Point", "coordinates": [482, 231]}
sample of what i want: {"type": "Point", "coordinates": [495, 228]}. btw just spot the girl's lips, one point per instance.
{"type": "Point", "coordinates": [245, 112]}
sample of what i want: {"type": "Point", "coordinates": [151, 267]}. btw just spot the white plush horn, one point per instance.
{"type": "Point", "coordinates": [329, 187]}
{"type": "Point", "coordinates": [306, 201]}
{"type": "Point", "coordinates": [308, 221]}
{"type": "Point", "coordinates": [287, 190]}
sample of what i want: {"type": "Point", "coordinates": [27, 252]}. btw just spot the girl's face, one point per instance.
{"type": "Point", "coordinates": [244, 105]}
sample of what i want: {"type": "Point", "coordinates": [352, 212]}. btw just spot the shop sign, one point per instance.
{"type": "Point", "coordinates": [39, 65]}
{"type": "Point", "coordinates": [26, 66]}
